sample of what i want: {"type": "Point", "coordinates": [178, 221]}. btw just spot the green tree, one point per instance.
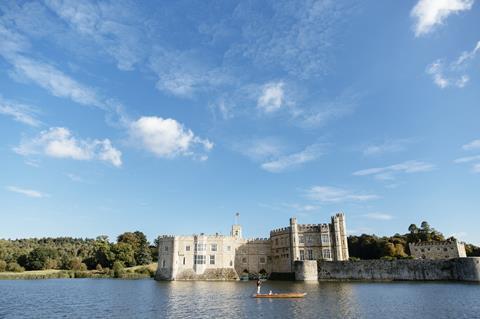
{"type": "Point", "coordinates": [140, 245]}
{"type": "Point", "coordinates": [103, 253]}
{"type": "Point", "coordinates": [41, 258]}
{"type": "Point", "coordinates": [3, 265]}
{"type": "Point", "coordinates": [124, 253]}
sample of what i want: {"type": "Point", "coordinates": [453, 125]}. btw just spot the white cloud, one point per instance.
{"type": "Point", "coordinates": [388, 172]}
{"type": "Point", "coordinates": [26, 192]}
{"type": "Point", "coordinates": [20, 112]}
{"type": "Point", "coordinates": [430, 13]}
{"type": "Point", "coordinates": [223, 107]}
{"type": "Point", "coordinates": [454, 74]}
{"type": "Point", "coordinates": [54, 81]}
{"type": "Point", "coordinates": [183, 74]}
{"type": "Point", "coordinates": [467, 159]}
{"type": "Point", "coordinates": [261, 149]}
{"type": "Point", "coordinates": [436, 70]}
{"type": "Point", "coordinates": [294, 36]}
{"type": "Point", "coordinates": [473, 145]}
{"type": "Point", "coordinates": [388, 146]}
{"type": "Point", "coordinates": [323, 112]}
{"type": "Point", "coordinates": [285, 162]}
{"type": "Point", "coordinates": [168, 138]}
{"type": "Point", "coordinates": [302, 208]}
{"type": "Point", "coordinates": [329, 194]}
{"type": "Point", "coordinates": [272, 97]}
{"type": "Point", "coordinates": [378, 216]}
{"type": "Point", "coordinates": [75, 178]}
{"type": "Point", "coordinates": [58, 142]}
{"type": "Point", "coordinates": [113, 26]}
{"type": "Point", "coordinates": [476, 168]}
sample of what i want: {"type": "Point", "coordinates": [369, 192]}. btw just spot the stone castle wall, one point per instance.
{"type": "Point", "coordinates": [437, 250]}
{"type": "Point", "coordinates": [458, 269]}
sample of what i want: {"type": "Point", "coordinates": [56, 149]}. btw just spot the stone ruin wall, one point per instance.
{"type": "Point", "coordinates": [457, 269]}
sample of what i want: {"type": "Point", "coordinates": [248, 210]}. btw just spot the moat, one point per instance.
{"type": "Point", "coordinates": [106, 298]}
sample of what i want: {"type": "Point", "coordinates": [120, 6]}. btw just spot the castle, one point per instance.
{"type": "Point", "coordinates": [228, 257]}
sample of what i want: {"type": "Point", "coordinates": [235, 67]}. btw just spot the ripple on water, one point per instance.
{"type": "Point", "coordinates": [105, 298]}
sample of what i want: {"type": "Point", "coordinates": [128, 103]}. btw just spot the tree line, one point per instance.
{"type": "Point", "coordinates": [396, 246]}
{"type": "Point", "coordinates": [130, 249]}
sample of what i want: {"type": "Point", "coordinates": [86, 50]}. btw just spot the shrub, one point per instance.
{"type": "Point", "coordinates": [75, 264]}
{"type": "Point", "coordinates": [118, 269]}
{"type": "Point", "coordinates": [14, 267]}
{"type": "Point", "coordinates": [3, 265]}
{"type": "Point", "coordinates": [99, 267]}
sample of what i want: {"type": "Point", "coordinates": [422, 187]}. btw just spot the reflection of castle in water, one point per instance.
{"type": "Point", "coordinates": [226, 257]}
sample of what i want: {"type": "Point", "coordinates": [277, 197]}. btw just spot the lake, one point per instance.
{"type": "Point", "coordinates": [109, 298]}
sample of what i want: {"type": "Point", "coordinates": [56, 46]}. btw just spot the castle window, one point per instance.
{"type": "Point", "coordinates": [213, 247]}
{"type": "Point", "coordinates": [325, 239]}
{"type": "Point", "coordinates": [184, 260]}
{"type": "Point", "coordinates": [199, 259]}
{"type": "Point", "coordinates": [262, 260]}
{"type": "Point", "coordinates": [187, 248]}
{"type": "Point", "coordinates": [163, 263]}
{"type": "Point", "coordinates": [212, 259]}
{"type": "Point", "coordinates": [302, 254]}
{"type": "Point", "coordinates": [244, 260]}
{"type": "Point", "coordinates": [310, 240]}
{"type": "Point", "coordinates": [310, 254]}
{"type": "Point", "coordinates": [229, 248]}
{"type": "Point", "coordinates": [166, 248]}
{"type": "Point", "coordinates": [231, 263]}
{"type": "Point", "coordinates": [445, 249]}
{"type": "Point", "coordinates": [326, 253]}
{"type": "Point", "coordinates": [301, 239]}
{"type": "Point", "coordinates": [200, 247]}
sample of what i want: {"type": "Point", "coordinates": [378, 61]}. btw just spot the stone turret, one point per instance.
{"type": "Point", "coordinates": [340, 237]}
{"type": "Point", "coordinates": [236, 231]}
{"type": "Point", "coordinates": [294, 241]}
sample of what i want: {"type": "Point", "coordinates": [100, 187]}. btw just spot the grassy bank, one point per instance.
{"type": "Point", "coordinates": [137, 272]}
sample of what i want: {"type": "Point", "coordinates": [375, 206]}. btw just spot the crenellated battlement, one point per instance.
{"type": "Point", "coordinates": [167, 237]}
{"type": "Point", "coordinates": [434, 243]}
{"type": "Point", "coordinates": [280, 231]}
{"type": "Point", "coordinates": [309, 227]}
{"type": "Point", "coordinates": [196, 236]}
{"type": "Point", "coordinates": [258, 241]}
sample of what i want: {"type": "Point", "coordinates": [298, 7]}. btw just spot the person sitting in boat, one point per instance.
{"type": "Point", "coordinates": [259, 285]}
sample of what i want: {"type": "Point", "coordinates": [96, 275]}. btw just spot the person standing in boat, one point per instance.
{"type": "Point", "coordinates": [259, 285]}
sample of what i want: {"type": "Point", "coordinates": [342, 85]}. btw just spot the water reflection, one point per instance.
{"type": "Point", "coordinates": [149, 299]}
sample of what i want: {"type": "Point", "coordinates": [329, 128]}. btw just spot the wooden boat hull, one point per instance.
{"type": "Point", "coordinates": [284, 295]}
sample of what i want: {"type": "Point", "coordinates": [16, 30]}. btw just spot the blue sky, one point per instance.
{"type": "Point", "coordinates": [170, 117]}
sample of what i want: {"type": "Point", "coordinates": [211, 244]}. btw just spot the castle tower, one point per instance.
{"type": "Point", "coordinates": [236, 231]}
{"type": "Point", "coordinates": [340, 237]}
{"type": "Point", "coordinates": [294, 241]}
